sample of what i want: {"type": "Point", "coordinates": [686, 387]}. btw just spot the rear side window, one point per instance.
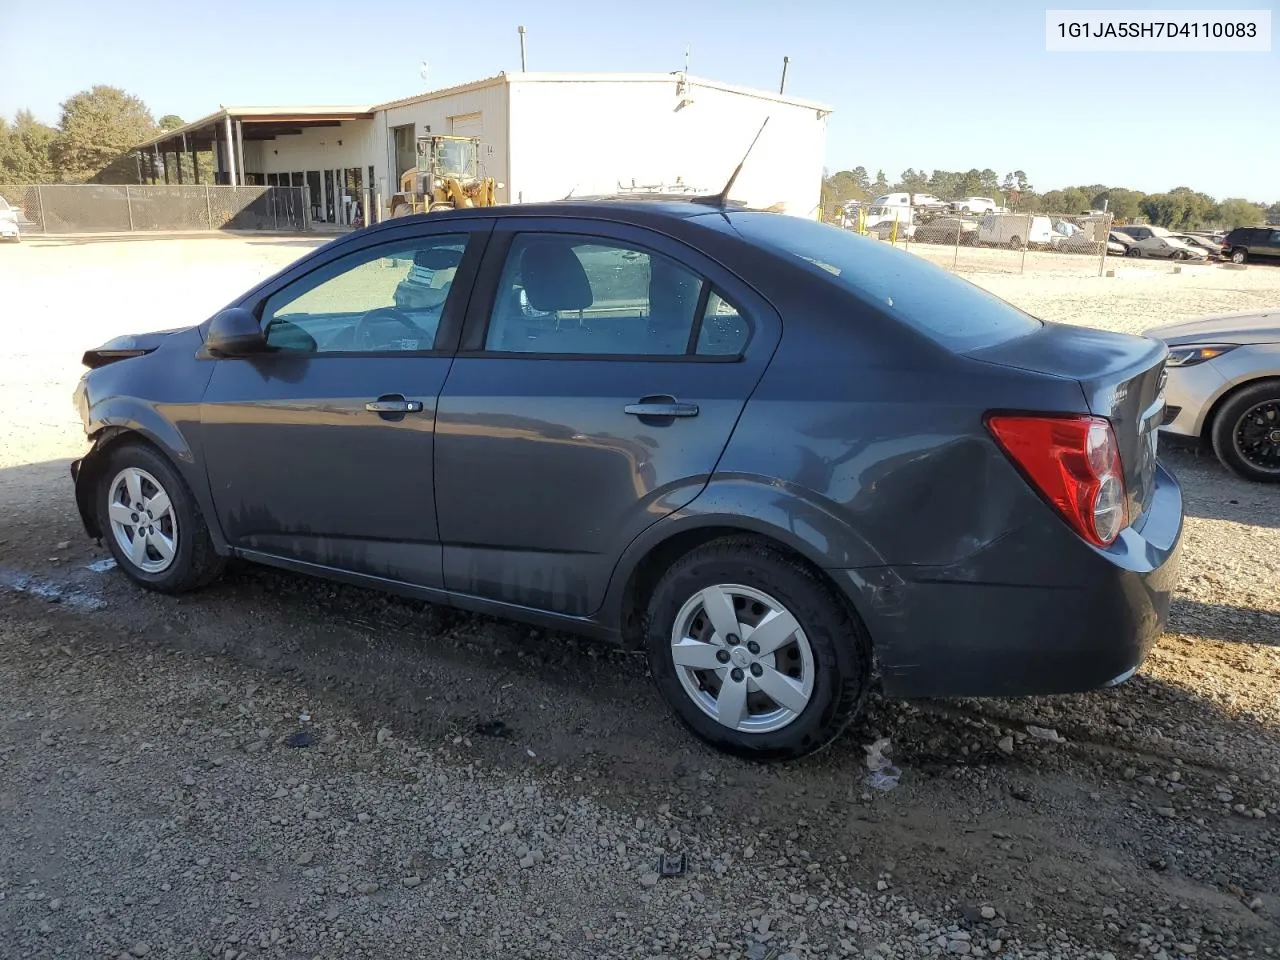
{"type": "Point", "coordinates": [949, 310]}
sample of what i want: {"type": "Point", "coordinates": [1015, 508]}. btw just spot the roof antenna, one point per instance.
{"type": "Point", "coordinates": [721, 199]}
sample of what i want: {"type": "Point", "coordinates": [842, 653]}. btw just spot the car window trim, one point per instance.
{"type": "Point", "coordinates": [485, 291]}
{"type": "Point", "coordinates": [452, 318]}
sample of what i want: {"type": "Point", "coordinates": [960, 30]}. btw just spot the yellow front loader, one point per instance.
{"type": "Point", "coordinates": [447, 176]}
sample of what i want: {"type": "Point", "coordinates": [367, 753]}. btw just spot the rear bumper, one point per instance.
{"type": "Point", "coordinates": [978, 629]}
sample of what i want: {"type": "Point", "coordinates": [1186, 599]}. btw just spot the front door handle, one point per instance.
{"type": "Point", "coordinates": [389, 405]}
{"type": "Point", "coordinates": [661, 407]}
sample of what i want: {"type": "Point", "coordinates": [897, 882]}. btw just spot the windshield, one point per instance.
{"type": "Point", "coordinates": [456, 158]}
{"type": "Point", "coordinates": [951, 311]}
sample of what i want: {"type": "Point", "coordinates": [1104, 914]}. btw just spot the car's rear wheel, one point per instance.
{"type": "Point", "coordinates": [151, 522]}
{"type": "Point", "coordinates": [1133, 251]}
{"type": "Point", "coordinates": [755, 653]}
{"type": "Point", "coordinates": [1239, 255]}
{"type": "Point", "coordinates": [1246, 432]}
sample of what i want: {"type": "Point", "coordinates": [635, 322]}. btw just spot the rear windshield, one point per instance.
{"type": "Point", "coordinates": [953, 312]}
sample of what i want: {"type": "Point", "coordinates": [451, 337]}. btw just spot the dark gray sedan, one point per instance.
{"type": "Point", "coordinates": [768, 451]}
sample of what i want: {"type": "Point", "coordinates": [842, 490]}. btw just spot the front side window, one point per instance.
{"type": "Point", "coordinates": [566, 294]}
{"type": "Point", "coordinates": [389, 298]}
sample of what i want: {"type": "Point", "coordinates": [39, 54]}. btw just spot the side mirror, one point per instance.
{"type": "Point", "coordinates": [235, 332]}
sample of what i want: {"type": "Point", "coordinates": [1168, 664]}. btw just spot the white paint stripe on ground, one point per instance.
{"type": "Point", "coordinates": [21, 581]}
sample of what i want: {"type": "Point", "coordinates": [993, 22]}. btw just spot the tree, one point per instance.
{"type": "Point", "coordinates": [1123, 204]}
{"type": "Point", "coordinates": [25, 150]}
{"type": "Point", "coordinates": [881, 184]}
{"type": "Point", "coordinates": [1273, 214]}
{"type": "Point", "coordinates": [840, 188]}
{"type": "Point", "coordinates": [170, 121]}
{"type": "Point", "coordinates": [913, 182]}
{"type": "Point", "coordinates": [98, 129]}
{"type": "Point", "coordinates": [1234, 212]}
{"type": "Point", "coordinates": [946, 184]}
{"type": "Point", "coordinates": [861, 180]}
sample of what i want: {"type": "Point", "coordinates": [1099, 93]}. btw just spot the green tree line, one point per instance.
{"type": "Point", "coordinates": [1179, 209]}
{"type": "Point", "coordinates": [92, 143]}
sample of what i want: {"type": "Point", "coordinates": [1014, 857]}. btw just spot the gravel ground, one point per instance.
{"type": "Point", "coordinates": [279, 767]}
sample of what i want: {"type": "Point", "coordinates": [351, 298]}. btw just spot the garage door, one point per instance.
{"type": "Point", "coordinates": [467, 125]}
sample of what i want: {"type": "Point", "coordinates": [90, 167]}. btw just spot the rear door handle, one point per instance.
{"type": "Point", "coordinates": [664, 407]}
{"type": "Point", "coordinates": [394, 406]}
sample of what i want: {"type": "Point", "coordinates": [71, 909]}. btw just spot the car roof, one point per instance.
{"type": "Point", "coordinates": [649, 208]}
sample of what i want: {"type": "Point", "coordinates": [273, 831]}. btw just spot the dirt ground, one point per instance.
{"type": "Point", "coordinates": [280, 767]}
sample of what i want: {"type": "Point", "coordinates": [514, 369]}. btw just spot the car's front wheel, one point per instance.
{"type": "Point", "coordinates": [754, 652]}
{"type": "Point", "coordinates": [1246, 432]}
{"type": "Point", "coordinates": [151, 522]}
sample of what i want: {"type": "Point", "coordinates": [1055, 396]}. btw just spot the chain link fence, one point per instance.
{"type": "Point", "coordinates": [994, 242]}
{"type": "Point", "coordinates": [110, 208]}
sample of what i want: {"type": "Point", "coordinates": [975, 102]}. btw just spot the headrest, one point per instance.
{"type": "Point", "coordinates": [553, 276]}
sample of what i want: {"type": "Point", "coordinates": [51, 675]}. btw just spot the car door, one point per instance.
{"type": "Point", "coordinates": [320, 450]}
{"type": "Point", "coordinates": [601, 373]}
{"type": "Point", "coordinates": [1265, 243]}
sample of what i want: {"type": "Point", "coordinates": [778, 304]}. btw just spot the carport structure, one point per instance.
{"type": "Point", "coordinates": [225, 134]}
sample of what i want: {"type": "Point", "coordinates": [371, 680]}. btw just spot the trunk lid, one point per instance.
{"type": "Point", "coordinates": [1122, 378]}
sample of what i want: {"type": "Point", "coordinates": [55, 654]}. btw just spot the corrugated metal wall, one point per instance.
{"type": "Point", "coordinates": [490, 102]}
{"type": "Point", "coordinates": [587, 136]}
{"type": "Point", "coordinates": [315, 148]}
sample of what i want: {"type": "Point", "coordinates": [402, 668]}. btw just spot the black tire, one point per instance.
{"type": "Point", "coordinates": [840, 645]}
{"type": "Point", "coordinates": [1179, 255]}
{"type": "Point", "coordinates": [1239, 255]}
{"type": "Point", "coordinates": [1133, 251]}
{"type": "Point", "coordinates": [1227, 420]}
{"type": "Point", "coordinates": [194, 564]}
{"type": "Point", "coordinates": [1015, 243]}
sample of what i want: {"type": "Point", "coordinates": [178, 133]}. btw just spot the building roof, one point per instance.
{"type": "Point", "coordinates": [265, 117]}
{"type": "Point", "coordinates": [558, 77]}
{"type": "Point", "coordinates": [265, 122]}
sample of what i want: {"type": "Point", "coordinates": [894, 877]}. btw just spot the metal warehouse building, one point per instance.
{"type": "Point", "coordinates": [544, 136]}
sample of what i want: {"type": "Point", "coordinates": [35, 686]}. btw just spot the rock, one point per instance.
{"type": "Point", "coordinates": [988, 913]}
{"type": "Point", "coordinates": [305, 858]}
{"type": "Point", "coordinates": [1005, 745]}
{"type": "Point", "coordinates": [508, 827]}
{"type": "Point", "coordinates": [527, 861]}
{"type": "Point", "coordinates": [314, 815]}
{"type": "Point", "coordinates": [140, 949]}
{"type": "Point", "coordinates": [363, 817]}
{"type": "Point", "coordinates": [1166, 811]}
{"type": "Point", "coordinates": [384, 734]}
{"type": "Point", "coordinates": [366, 888]}
{"type": "Point", "coordinates": [995, 945]}
{"type": "Point", "coordinates": [649, 879]}
{"type": "Point", "coordinates": [411, 882]}
{"type": "Point", "coordinates": [63, 545]}
{"type": "Point", "coordinates": [798, 899]}
{"type": "Point", "coordinates": [961, 947]}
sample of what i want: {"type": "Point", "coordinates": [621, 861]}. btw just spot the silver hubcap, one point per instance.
{"type": "Point", "coordinates": [142, 520]}
{"type": "Point", "coordinates": [742, 658]}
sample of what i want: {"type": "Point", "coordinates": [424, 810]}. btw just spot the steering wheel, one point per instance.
{"type": "Point", "coordinates": [362, 336]}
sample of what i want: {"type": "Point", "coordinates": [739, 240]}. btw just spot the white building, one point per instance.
{"type": "Point", "coordinates": [544, 136]}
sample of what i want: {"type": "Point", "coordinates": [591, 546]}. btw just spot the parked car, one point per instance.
{"type": "Point", "coordinates": [1123, 240]}
{"type": "Point", "coordinates": [929, 202]}
{"type": "Point", "coordinates": [602, 425]}
{"type": "Point", "coordinates": [975, 205]}
{"type": "Point", "coordinates": [1152, 241]}
{"type": "Point", "coordinates": [1251, 243]}
{"type": "Point", "coordinates": [9, 222]}
{"type": "Point", "coordinates": [946, 230]}
{"type": "Point", "coordinates": [1212, 248]}
{"type": "Point", "coordinates": [1224, 388]}
{"type": "Point", "coordinates": [1015, 231]}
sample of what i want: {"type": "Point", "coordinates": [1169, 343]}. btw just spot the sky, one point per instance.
{"type": "Point", "coordinates": [912, 83]}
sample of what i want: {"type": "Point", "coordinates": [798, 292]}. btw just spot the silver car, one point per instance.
{"type": "Point", "coordinates": [1224, 388]}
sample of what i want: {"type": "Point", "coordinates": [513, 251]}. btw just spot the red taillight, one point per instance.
{"type": "Point", "coordinates": [1074, 462]}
